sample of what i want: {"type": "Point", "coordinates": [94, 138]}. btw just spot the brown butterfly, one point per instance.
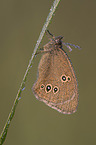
{"type": "Point", "coordinates": [56, 83]}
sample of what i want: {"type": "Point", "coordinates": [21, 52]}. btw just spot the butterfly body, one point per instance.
{"type": "Point", "coordinates": [56, 83]}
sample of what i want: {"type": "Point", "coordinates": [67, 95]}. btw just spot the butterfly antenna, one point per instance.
{"type": "Point", "coordinates": [48, 32]}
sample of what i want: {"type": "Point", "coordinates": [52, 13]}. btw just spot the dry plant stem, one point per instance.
{"type": "Point", "coordinates": [11, 114]}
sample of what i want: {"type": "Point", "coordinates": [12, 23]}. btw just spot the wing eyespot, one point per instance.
{"type": "Point", "coordinates": [42, 86]}
{"type": "Point", "coordinates": [64, 78]}
{"type": "Point", "coordinates": [55, 90]}
{"type": "Point", "coordinates": [68, 78]}
{"type": "Point", "coordinates": [48, 88]}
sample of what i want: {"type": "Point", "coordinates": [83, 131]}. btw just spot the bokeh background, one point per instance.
{"type": "Point", "coordinates": [34, 122]}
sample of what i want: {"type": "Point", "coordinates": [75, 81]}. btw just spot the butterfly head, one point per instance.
{"type": "Point", "coordinates": [58, 40]}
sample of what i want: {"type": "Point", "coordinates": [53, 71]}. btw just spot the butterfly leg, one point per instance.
{"type": "Point", "coordinates": [70, 49]}
{"type": "Point", "coordinates": [69, 44]}
{"type": "Point", "coordinates": [41, 50]}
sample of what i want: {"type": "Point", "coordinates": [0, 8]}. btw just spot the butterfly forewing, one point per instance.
{"type": "Point", "coordinates": [56, 72]}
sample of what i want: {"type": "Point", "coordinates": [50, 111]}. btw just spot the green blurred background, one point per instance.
{"type": "Point", "coordinates": [34, 122]}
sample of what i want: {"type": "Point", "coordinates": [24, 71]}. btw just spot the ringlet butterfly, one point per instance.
{"type": "Point", "coordinates": [56, 83]}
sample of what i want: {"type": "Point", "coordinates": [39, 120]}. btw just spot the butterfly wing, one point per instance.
{"type": "Point", "coordinates": [56, 84]}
